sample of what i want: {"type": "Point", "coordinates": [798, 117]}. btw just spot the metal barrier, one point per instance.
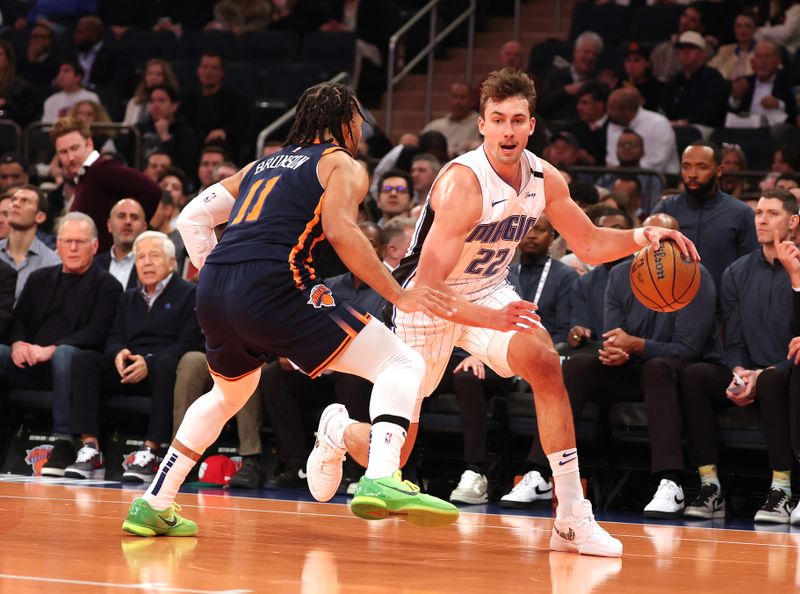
{"type": "Point", "coordinates": [393, 79]}
{"type": "Point", "coordinates": [37, 138]}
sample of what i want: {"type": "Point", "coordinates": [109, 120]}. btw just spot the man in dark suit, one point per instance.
{"type": "Point", "coordinates": [770, 86]}
{"type": "Point", "coordinates": [63, 310]}
{"type": "Point", "coordinates": [592, 129]}
{"type": "Point", "coordinates": [696, 95]}
{"type": "Point", "coordinates": [153, 328]}
{"type": "Point", "coordinates": [8, 283]}
{"type": "Point", "coordinates": [125, 223]}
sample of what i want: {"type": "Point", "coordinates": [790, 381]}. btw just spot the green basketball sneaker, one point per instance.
{"type": "Point", "coordinates": [143, 520]}
{"type": "Point", "coordinates": [377, 499]}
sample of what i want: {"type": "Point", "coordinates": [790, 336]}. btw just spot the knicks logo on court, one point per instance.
{"type": "Point", "coordinates": [321, 296]}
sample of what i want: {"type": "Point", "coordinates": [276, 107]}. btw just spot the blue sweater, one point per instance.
{"type": "Point", "coordinates": [757, 310]}
{"type": "Point", "coordinates": [555, 304]}
{"type": "Point", "coordinates": [689, 334]}
{"type": "Point", "coordinates": [722, 227]}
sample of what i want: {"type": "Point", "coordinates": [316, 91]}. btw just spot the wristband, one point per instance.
{"type": "Point", "coordinates": [639, 237]}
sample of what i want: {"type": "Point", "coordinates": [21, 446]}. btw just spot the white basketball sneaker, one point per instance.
{"type": "Point", "coordinates": [472, 489]}
{"type": "Point", "coordinates": [579, 533]}
{"type": "Point", "coordinates": [531, 491]}
{"type": "Point", "coordinates": [324, 465]}
{"type": "Point", "coordinates": [668, 502]}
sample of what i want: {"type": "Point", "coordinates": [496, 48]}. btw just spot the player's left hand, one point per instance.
{"type": "Point", "coordinates": [473, 364]}
{"type": "Point", "coordinates": [621, 339]}
{"type": "Point", "coordinates": [655, 235]}
{"type": "Point", "coordinates": [135, 372]}
{"type": "Point", "coordinates": [432, 302]}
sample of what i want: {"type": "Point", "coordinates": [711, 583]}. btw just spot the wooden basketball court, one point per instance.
{"type": "Point", "coordinates": [58, 538]}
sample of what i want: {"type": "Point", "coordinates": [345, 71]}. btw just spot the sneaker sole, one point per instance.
{"type": "Point", "coordinates": [703, 516]}
{"type": "Point", "coordinates": [86, 474]}
{"type": "Point", "coordinates": [526, 504]}
{"type": "Point", "coordinates": [372, 508]}
{"type": "Point", "coordinates": [662, 515]}
{"type": "Point", "coordinates": [771, 520]}
{"type": "Point", "coordinates": [57, 472]}
{"type": "Point", "coordinates": [469, 500]}
{"type": "Point", "coordinates": [563, 547]}
{"type": "Point", "coordinates": [146, 531]}
{"type": "Point", "coordinates": [135, 478]}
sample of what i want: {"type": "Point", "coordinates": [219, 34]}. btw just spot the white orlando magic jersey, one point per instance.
{"type": "Point", "coordinates": [506, 218]}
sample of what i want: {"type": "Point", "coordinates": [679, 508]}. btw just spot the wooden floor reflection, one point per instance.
{"type": "Point", "coordinates": [67, 539]}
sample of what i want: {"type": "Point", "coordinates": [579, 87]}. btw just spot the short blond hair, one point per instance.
{"type": "Point", "coordinates": [67, 125]}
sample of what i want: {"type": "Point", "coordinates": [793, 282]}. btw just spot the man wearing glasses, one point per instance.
{"type": "Point", "coordinates": [62, 310]}
{"type": "Point", "coordinates": [395, 195]}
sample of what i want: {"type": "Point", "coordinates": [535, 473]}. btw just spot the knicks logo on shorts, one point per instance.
{"type": "Point", "coordinates": [321, 296]}
{"type": "Point", "coordinates": [37, 457]}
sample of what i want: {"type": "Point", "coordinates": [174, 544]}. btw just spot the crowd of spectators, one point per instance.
{"type": "Point", "coordinates": [96, 293]}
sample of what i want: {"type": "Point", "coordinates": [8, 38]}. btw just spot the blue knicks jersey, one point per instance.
{"type": "Point", "coordinates": [278, 214]}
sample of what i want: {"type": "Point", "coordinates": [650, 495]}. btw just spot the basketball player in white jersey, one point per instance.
{"type": "Point", "coordinates": [479, 208]}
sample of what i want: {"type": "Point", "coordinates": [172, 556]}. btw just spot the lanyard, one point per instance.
{"type": "Point", "coordinates": [542, 280]}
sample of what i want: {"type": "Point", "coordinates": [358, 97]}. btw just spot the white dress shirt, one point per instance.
{"type": "Point", "coordinates": [660, 148]}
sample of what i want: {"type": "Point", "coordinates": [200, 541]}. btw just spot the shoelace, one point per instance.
{"type": "Point", "coordinates": [85, 454]}
{"type": "Point", "coordinates": [398, 475]}
{"type": "Point", "coordinates": [774, 500]}
{"type": "Point", "coordinates": [143, 458]}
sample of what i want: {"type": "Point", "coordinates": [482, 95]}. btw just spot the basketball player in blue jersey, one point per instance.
{"type": "Point", "coordinates": [479, 208]}
{"type": "Point", "coordinates": [259, 293]}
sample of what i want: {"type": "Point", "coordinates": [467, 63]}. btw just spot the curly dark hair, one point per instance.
{"type": "Point", "coordinates": [323, 110]}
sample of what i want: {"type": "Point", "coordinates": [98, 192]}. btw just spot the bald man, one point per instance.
{"type": "Point", "coordinates": [626, 112]}
{"type": "Point", "coordinates": [125, 223]}
{"type": "Point", "coordinates": [641, 357]}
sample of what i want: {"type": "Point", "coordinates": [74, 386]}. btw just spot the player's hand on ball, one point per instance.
{"type": "Point", "coordinates": [517, 315]}
{"type": "Point", "coordinates": [658, 234]}
{"type": "Point", "coordinates": [431, 302]}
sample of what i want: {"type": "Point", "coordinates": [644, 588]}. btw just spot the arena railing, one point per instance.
{"type": "Point", "coordinates": [392, 79]}
{"type": "Point", "coordinates": [284, 119]}
{"type": "Point", "coordinates": [38, 147]}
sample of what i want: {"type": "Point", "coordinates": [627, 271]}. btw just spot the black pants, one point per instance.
{"type": "Point", "coordinates": [94, 374]}
{"type": "Point", "coordinates": [473, 395]}
{"type": "Point", "coordinates": [703, 388]}
{"type": "Point", "coordinates": [655, 382]}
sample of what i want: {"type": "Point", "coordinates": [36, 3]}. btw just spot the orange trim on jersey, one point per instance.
{"type": "Point", "coordinates": [301, 241]}
{"type": "Point", "coordinates": [322, 366]}
{"type": "Point", "coordinates": [344, 326]}
{"type": "Point", "coordinates": [230, 379]}
{"type": "Point", "coordinates": [333, 149]}
{"type": "Point", "coordinates": [247, 201]}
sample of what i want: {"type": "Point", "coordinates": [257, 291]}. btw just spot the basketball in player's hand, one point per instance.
{"type": "Point", "coordinates": [664, 279]}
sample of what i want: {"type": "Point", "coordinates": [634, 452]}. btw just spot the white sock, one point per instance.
{"type": "Point", "coordinates": [566, 479]}
{"type": "Point", "coordinates": [338, 432]}
{"type": "Point", "coordinates": [201, 426]}
{"type": "Point", "coordinates": [385, 442]}
{"type": "Point", "coordinates": [169, 478]}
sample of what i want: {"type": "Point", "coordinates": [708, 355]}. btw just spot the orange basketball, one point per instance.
{"type": "Point", "coordinates": [664, 280]}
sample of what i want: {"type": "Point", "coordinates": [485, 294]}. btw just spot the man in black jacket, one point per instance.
{"type": "Point", "coordinates": [154, 327]}
{"type": "Point", "coordinates": [771, 86]}
{"type": "Point", "coordinates": [63, 311]}
{"type": "Point", "coordinates": [125, 223]}
{"type": "Point", "coordinates": [8, 283]}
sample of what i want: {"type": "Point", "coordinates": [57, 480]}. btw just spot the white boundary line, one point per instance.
{"type": "Point", "coordinates": [161, 586]}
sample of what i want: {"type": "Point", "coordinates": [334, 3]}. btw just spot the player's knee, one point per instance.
{"type": "Point", "coordinates": [540, 361]}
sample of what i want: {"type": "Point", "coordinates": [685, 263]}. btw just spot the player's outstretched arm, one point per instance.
{"type": "Point", "coordinates": [346, 183]}
{"type": "Point", "coordinates": [210, 208]}
{"type": "Point", "coordinates": [457, 204]}
{"type": "Point", "coordinates": [595, 245]}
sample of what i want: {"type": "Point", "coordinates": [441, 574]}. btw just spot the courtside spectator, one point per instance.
{"type": "Point", "coordinates": [125, 223]}
{"type": "Point", "coordinates": [62, 311]}
{"type": "Point", "coordinates": [639, 74]}
{"type": "Point", "coordinates": [210, 157]}
{"type": "Point", "coordinates": [460, 125]}
{"type": "Point", "coordinates": [157, 163]}
{"type": "Point", "coordinates": [18, 102]}
{"type": "Point", "coordinates": [13, 171]}
{"type": "Point", "coordinates": [395, 193]}
{"type": "Point", "coordinates": [156, 72]}
{"type": "Point", "coordinates": [424, 169]}
{"type": "Point", "coordinates": [153, 328]}
{"type": "Point", "coordinates": [22, 250]}
{"type": "Point", "coordinates": [733, 59]}
{"type": "Point", "coordinates": [167, 130]}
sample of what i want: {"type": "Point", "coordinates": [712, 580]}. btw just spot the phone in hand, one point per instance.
{"type": "Point", "coordinates": [738, 384]}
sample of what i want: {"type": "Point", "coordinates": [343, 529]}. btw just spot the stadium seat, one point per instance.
{"type": "Point", "coordinates": [332, 52]}
{"type": "Point", "coordinates": [755, 142]}
{"type": "Point", "coordinates": [286, 82]}
{"type": "Point", "coordinates": [608, 20]}
{"type": "Point", "coordinates": [543, 53]}
{"type": "Point", "coordinates": [655, 23]}
{"type": "Point", "coordinates": [222, 42]}
{"type": "Point", "coordinates": [686, 135]}
{"type": "Point", "coordinates": [138, 46]}
{"type": "Point", "coordinates": [270, 47]}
